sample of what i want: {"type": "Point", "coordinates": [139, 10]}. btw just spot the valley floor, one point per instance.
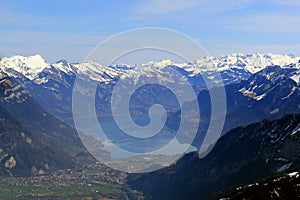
{"type": "Point", "coordinates": [91, 182]}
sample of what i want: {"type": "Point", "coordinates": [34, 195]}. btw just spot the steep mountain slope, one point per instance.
{"type": "Point", "coordinates": [24, 152]}
{"type": "Point", "coordinates": [283, 186]}
{"type": "Point", "coordinates": [242, 155]}
{"type": "Point", "coordinates": [268, 94]}
{"type": "Point", "coordinates": [32, 141]}
{"type": "Point", "coordinates": [20, 104]}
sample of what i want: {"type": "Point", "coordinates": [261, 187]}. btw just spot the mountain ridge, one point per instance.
{"type": "Point", "coordinates": [244, 154]}
{"type": "Point", "coordinates": [238, 65]}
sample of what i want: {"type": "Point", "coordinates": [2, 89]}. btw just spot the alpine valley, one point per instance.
{"type": "Point", "coordinates": [40, 149]}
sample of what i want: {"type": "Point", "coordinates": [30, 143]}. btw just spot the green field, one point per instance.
{"type": "Point", "coordinates": [90, 191]}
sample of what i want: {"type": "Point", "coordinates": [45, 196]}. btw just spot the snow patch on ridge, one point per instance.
{"type": "Point", "coordinates": [296, 78]}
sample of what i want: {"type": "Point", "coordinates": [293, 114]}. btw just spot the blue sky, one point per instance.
{"type": "Point", "coordinates": [70, 29]}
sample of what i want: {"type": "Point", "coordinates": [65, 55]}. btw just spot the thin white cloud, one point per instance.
{"type": "Point", "coordinates": [265, 22]}
{"type": "Point", "coordinates": [160, 7]}
{"type": "Point", "coordinates": [285, 2]}
{"type": "Point", "coordinates": [31, 20]}
{"type": "Point", "coordinates": [195, 7]}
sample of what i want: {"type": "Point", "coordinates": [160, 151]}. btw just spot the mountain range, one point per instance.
{"type": "Point", "coordinates": [51, 84]}
{"type": "Point", "coordinates": [257, 86]}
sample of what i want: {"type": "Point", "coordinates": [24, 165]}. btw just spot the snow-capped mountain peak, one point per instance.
{"type": "Point", "coordinates": [30, 66]}
{"type": "Point", "coordinates": [64, 66]}
{"type": "Point", "coordinates": [161, 64]}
